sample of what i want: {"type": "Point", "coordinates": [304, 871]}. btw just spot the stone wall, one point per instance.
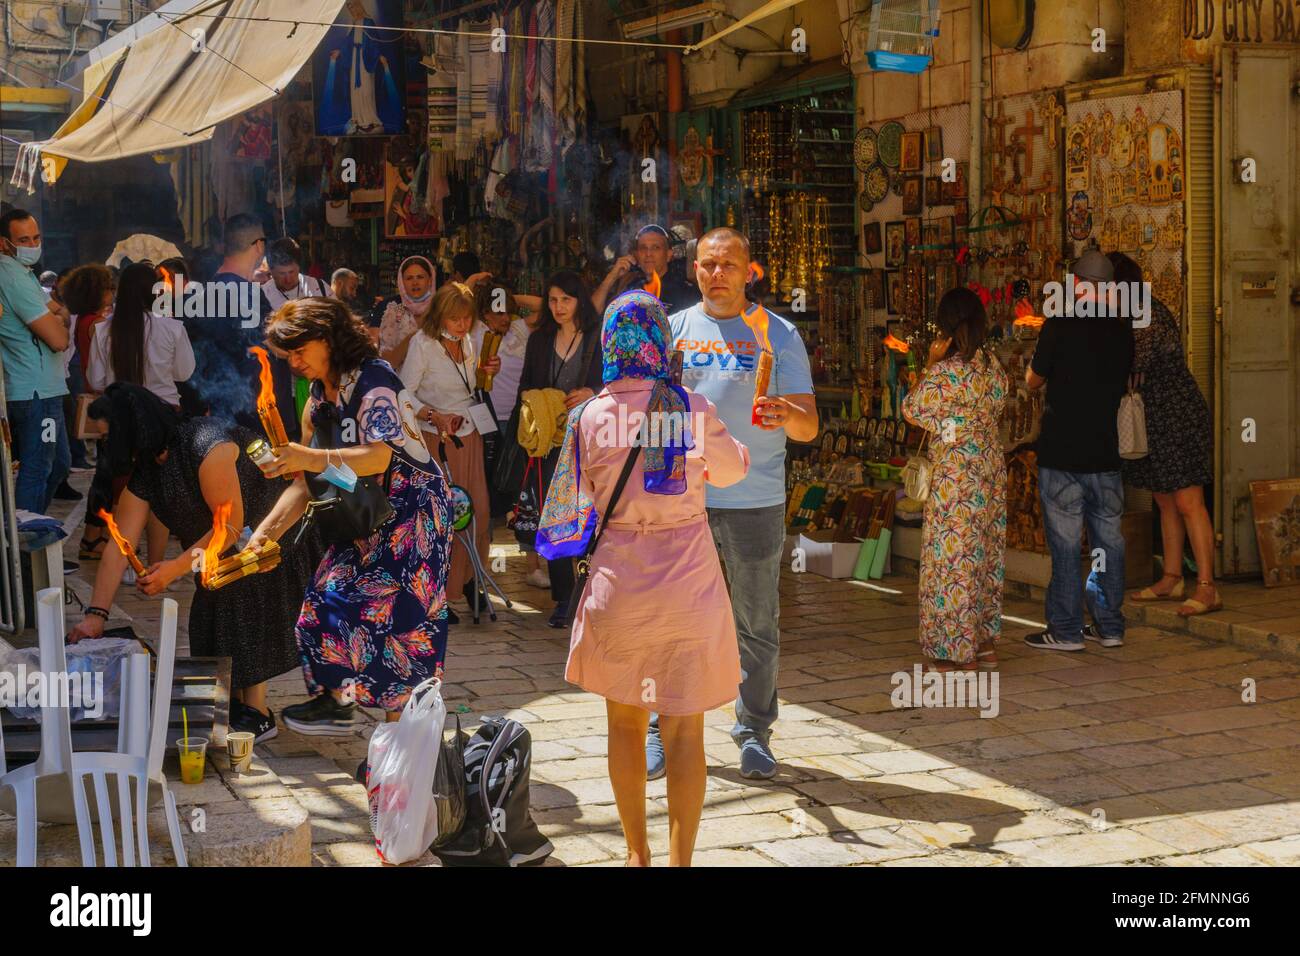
{"type": "Point", "coordinates": [1060, 52]}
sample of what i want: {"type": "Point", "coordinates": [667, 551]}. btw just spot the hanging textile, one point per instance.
{"type": "Point", "coordinates": [539, 154]}
{"type": "Point", "coordinates": [570, 75]}
{"type": "Point", "coordinates": [232, 179]}
{"type": "Point", "coordinates": [192, 177]}
{"type": "Point", "coordinates": [518, 60]}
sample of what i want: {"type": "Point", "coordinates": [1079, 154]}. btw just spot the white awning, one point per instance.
{"type": "Point", "coordinates": [163, 89]}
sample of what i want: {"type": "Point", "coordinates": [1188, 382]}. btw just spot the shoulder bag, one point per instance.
{"type": "Point", "coordinates": [1131, 422]}
{"type": "Point", "coordinates": [344, 516]}
{"type": "Point", "coordinates": [917, 472]}
{"type": "Point", "coordinates": [584, 563]}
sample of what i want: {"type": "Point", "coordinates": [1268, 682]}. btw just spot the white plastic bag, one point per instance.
{"type": "Point", "coordinates": [96, 665]}
{"type": "Point", "coordinates": [403, 757]}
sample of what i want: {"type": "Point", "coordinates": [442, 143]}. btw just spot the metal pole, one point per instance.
{"type": "Point", "coordinates": [975, 180]}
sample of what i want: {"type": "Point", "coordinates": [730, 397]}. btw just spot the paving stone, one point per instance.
{"type": "Point", "coordinates": [844, 849]}
{"type": "Point", "coordinates": [1085, 849]}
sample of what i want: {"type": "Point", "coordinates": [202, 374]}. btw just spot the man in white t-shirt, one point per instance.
{"type": "Point", "coordinates": [287, 281]}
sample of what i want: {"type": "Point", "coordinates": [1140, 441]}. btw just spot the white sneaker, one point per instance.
{"type": "Point", "coordinates": [538, 579]}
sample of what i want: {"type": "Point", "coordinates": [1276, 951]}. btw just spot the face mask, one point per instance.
{"type": "Point", "coordinates": [422, 299]}
{"type": "Point", "coordinates": [27, 255]}
{"type": "Point", "coordinates": [450, 337]}
{"type": "Point", "coordinates": [340, 475]}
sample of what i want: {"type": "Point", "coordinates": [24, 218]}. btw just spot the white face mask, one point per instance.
{"type": "Point", "coordinates": [450, 337]}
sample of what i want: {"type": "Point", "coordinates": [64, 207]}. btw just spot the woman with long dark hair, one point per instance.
{"type": "Point", "coordinates": [374, 621]}
{"type": "Point", "coordinates": [563, 353]}
{"type": "Point", "coordinates": [959, 402]}
{"type": "Point", "coordinates": [139, 347]}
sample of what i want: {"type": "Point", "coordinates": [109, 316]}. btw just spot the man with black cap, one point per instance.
{"type": "Point", "coordinates": [1083, 357]}
{"type": "Point", "coordinates": [653, 255]}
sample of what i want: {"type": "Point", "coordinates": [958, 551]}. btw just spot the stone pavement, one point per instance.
{"type": "Point", "coordinates": [1141, 754]}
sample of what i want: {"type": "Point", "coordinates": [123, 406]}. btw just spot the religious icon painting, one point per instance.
{"type": "Point", "coordinates": [1078, 218]}
{"type": "Point", "coordinates": [876, 288]}
{"type": "Point", "coordinates": [959, 188]}
{"type": "Point", "coordinates": [913, 197]}
{"type": "Point", "coordinates": [1121, 146]}
{"type": "Point", "coordinates": [946, 230]}
{"type": "Point", "coordinates": [1130, 232]}
{"type": "Point", "coordinates": [933, 191]}
{"type": "Point", "coordinates": [895, 244]}
{"type": "Point", "coordinates": [961, 212]}
{"type": "Point", "coordinates": [913, 232]}
{"type": "Point", "coordinates": [947, 193]}
{"type": "Point", "coordinates": [1150, 235]}
{"type": "Point", "coordinates": [893, 291]}
{"type": "Point", "coordinates": [911, 155]}
{"type": "Point", "coordinates": [871, 238]}
{"type": "Point", "coordinates": [1078, 158]}
{"type": "Point", "coordinates": [358, 73]}
{"type": "Point", "coordinates": [934, 144]}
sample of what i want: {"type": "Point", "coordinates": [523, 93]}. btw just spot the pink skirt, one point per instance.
{"type": "Point", "coordinates": [654, 627]}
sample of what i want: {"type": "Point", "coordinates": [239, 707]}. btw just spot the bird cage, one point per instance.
{"type": "Point", "coordinates": [901, 35]}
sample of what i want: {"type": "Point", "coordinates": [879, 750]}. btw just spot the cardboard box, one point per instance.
{"type": "Point", "coordinates": [829, 558]}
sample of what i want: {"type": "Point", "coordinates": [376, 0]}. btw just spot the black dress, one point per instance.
{"type": "Point", "coordinates": [251, 620]}
{"type": "Point", "coordinates": [1179, 427]}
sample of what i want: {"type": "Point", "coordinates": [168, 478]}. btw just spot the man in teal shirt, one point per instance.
{"type": "Point", "coordinates": [33, 331]}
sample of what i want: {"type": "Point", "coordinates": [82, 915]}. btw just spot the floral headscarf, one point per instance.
{"type": "Point", "coordinates": [634, 343]}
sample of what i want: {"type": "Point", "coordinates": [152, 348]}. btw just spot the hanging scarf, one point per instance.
{"type": "Point", "coordinates": [540, 150]}
{"type": "Point", "coordinates": [570, 74]}
{"type": "Point", "coordinates": [634, 343]}
{"type": "Point", "coordinates": [416, 309]}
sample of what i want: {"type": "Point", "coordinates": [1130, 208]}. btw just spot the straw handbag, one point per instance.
{"type": "Point", "coordinates": [1131, 422]}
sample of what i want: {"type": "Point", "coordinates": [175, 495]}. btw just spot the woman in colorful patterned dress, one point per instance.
{"type": "Point", "coordinates": [374, 622]}
{"type": "Point", "coordinates": [958, 402]}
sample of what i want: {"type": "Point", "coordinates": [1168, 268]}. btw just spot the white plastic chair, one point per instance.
{"type": "Point", "coordinates": [48, 781]}
{"type": "Point", "coordinates": [142, 741]}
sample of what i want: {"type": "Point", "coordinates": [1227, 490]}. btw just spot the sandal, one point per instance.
{"type": "Point", "coordinates": [1192, 607]}
{"type": "Point", "coordinates": [91, 550]}
{"type": "Point", "coordinates": [1175, 594]}
{"type": "Point", "coordinates": [987, 660]}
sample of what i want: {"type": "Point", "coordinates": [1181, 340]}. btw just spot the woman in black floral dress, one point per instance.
{"type": "Point", "coordinates": [1179, 442]}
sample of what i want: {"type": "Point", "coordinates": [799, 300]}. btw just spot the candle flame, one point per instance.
{"type": "Point", "coordinates": [756, 272]}
{"type": "Point", "coordinates": [758, 321]}
{"type": "Point", "coordinates": [167, 278]}
{"type": "Point", "coordinates": [266, 394]}
{"type": "Point", "coordinates": [1025, 317]}
{"type": "Point", "coordinates": [212, 553]}
{"type": "Point", "coordinates": [122, 544]}
{"type": "Point", "coordinates": [897, 344]}
{"type": "Point", "coordinates": [654, 286]}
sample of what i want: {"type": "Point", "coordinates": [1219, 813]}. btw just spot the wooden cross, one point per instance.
{"type": "Point", "coordinates": [1052, 114]}
{"type": "Point", "coordinates": [998, 126]}
{"type": "Point", "coordinates": [1025, 135]}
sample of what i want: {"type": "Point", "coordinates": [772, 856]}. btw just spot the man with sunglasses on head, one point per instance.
{"type": "Point", "coordinates": [653, 255]}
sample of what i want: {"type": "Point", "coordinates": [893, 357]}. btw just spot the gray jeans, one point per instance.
{"type": "Point", "coordinates": [750, 542]}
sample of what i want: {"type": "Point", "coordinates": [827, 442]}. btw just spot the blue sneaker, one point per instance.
{"type": "Point", "coordinates": [756, 760]}
{"type": "Point", "coordinates": [654, 754]}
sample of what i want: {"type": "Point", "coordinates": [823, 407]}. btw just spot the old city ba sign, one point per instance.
{"type": "Point", "coordinates": [1242, 21]}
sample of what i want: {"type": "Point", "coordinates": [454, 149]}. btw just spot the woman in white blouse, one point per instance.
{"type": "Point", "coordinates": [439, 371]}
{"type": "Point", "coordinates": [138, 346]}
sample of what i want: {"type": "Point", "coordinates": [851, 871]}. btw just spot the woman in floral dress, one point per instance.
{"type": "Point", "coordinates": [374, 621]}
{"type": "Point", "coordinates": [958, 402]}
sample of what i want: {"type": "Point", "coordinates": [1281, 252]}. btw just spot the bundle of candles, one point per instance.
{"type": "Point", "coordinates": [242, 565]}
{"type": "Point", "coordinates": [491, 342]}
{"type": "Point", "coordinates": [218, 572]}
{"type": "Point", "coordinates": [654, 286]}
{"type": "Point", "coordinates": [267, 410]}
{"type": "Point", "coordinates": [122, 544]}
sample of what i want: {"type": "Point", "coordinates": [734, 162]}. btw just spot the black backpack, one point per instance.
{"type": "Point", "coordinates": [498, 830]}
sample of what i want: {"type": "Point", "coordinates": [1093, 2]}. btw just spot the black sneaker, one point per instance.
{"type": "Point", "coordinates": [322, 716]}
{"type": "Point", "coordinates": [1045, 640]}
{"type": "Point", "coordinates": [250, 719]}
{"type": "Point", "coordinates": [558, 615]}
{"type": "Point", "coordinates": [1090, 633]}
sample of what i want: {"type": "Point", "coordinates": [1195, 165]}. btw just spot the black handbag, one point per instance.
{"type": "Point", "coordinates": [343, 516]}
{"type": "Point", "coordinates": [584, 563]}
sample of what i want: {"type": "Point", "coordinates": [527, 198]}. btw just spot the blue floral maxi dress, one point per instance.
{"type": "Point", "coordinates": [375, 617]}
{"type": "Point", "coordinates": [965, 531]}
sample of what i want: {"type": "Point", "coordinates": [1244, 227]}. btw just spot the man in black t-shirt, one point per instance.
{"type": "Point", "coordinates": [653, 254]}
{"type": "Point", "coordinates": [1084, 360]}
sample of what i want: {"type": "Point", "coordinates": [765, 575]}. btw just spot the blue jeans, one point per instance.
{"type": "Point", "coordinates": [41, 445]}
{"type": "Point", "coordinates": [1069, 500]}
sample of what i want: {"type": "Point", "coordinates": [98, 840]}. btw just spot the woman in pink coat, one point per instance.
{"type": "Point", "coordinates": [653, 629]}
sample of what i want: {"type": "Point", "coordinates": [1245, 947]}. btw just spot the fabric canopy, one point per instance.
{"type": "Point", "coordinates": [160, 93]}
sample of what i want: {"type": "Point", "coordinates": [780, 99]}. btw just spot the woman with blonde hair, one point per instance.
{"type": "Point", "coordinates": [439, 373]}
